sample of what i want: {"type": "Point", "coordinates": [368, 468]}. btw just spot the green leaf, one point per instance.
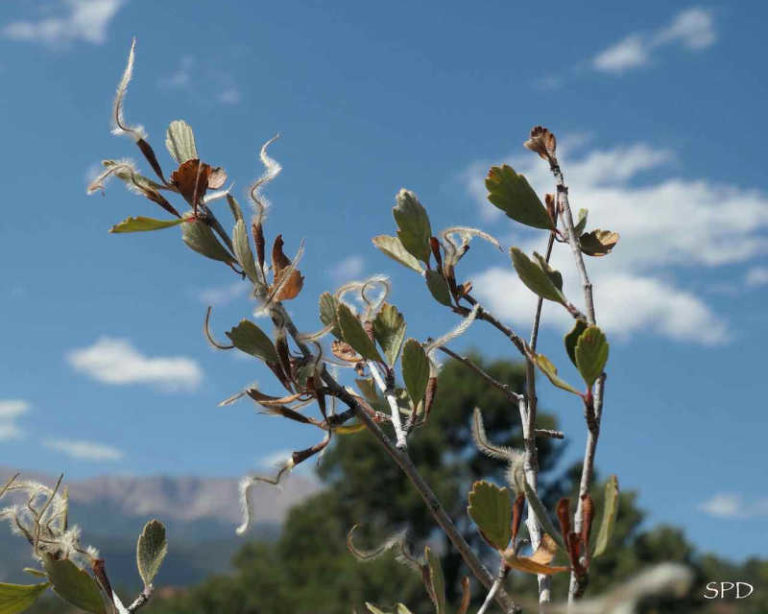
{"type": "Point", "coordinates": [392, 247]}
{"type": "Point", "coordinates": [151, 550]}
{"type": "Point", "coordinates": [438, 287]}
{"type": "Point", "coordinates": [491, 509]}
{"type": "Point", "coordinates": [328, 304]}
{"type": "Point", "coordinates": [415, 367]}
{"type": "Point", "coordinates": [582, 221]}
{"type": "Point", "coordinates": [413, 223]}
{"type": "Point", "coordinates": [180, 141]}
{"type": "Point", "coordinates": [249, 338]}
{"type": "Point", "coordinates": [243, 251]}
{"type": "Point", "coordinates": [199, 237]}
{"type": "Point", "coordinates": [373, 609]}
{"type": "Point", "coordinates": [436, 579]}
{"type": "Point", "coordinates": [548, 369]}
{"type": "Point", "coordinates": [402, 609]}
{"type": "Point", "coordinates": [513, 194]}
{"type": "Point", "coordinates": [389, 331]}
{"type": "Point", "coordinates": [540, 511]}
{"type": "Point", "coordinates": [538, 276]}
{"type": "Point", "coordinates": [572, 337]}
{"type": "Point", "coordinates": [352, 332]}
{"type": "Point", "coordinates": [16, 598]}
{"type": "Point", "coordinates": [598, 242]}
{"type": "Point", "coordinates": [610, 508]}
{"type": "Point", "coordinates": [143, 224]}
{"type": "Point", "coordinates": [74, 585]}
{"type": "Point", "coordinates": [591, 354]}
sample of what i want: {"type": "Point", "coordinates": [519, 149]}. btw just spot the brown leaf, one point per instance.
{"type": "Point", "coordinates": [564, 516]}
{"type": "Point", "coordinates": [259, 242]}
{"type": "Point", "coordinates": [191, 180]}
{"type": "Point", "coordinates": [429, 395]}
{"type": "Point", "coordinates": [527, 564]}
{"type": "Point", "coordinates": [598, 242]}
{"type": "Point", "coordinates": [542, 142]}
{"type": "Point", "coordinates": [546, 550]}
{"type": "Point", "coordinates": [343, 351]}
{"type": "Point", "coordinates": [280, 264]}
{"type": "Point", "coordinates": [466, 596]}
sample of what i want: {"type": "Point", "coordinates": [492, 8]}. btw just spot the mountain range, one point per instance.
{"type": "Point", "coordinates": [200, 515]}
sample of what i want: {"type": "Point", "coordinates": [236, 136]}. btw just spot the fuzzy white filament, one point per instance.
{"type": "Point", "coordinates": [119, 126]}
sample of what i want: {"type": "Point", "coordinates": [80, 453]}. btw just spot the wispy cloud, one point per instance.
{"type": "Point", "coordinates": [637, 286]}
{"type": "Point", "coordinates": [757, 276]}
{"type": "Point", "coordinates": [731, 505]}
{"type": "Point", "coordinates": [74, 20]}
{"type": "Point", "coordinates": [204, 79]}
{"type": "Point", "coordinates": [222, 295]}
{"type": "Point", "coordinates": [10, 411]}
{"type": "Point", "coordinates": [118, 362]}
{"type": "Point", "coordinates": [692, 29]}
{"type": "Point", "coordinates": [346, 270]}
{"type": "Point", "coordinates": [85, 450]}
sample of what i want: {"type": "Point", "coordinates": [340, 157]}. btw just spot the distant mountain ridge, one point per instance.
{"type": "Point", "coordinates": [200, 514]}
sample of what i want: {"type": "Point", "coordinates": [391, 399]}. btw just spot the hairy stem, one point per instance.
{"type": "Point", "coordinates": [389, 394]}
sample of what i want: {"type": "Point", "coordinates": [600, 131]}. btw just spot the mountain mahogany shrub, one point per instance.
{"type": "Point", "coordinates": [40, 515]}
{"type": "Point", "coordinates": [395, 376]}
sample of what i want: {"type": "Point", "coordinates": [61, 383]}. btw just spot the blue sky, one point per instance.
{"type": "Point", "coordinates": [659, 114]}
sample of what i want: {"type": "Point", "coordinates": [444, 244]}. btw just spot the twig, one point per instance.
{"type": "Point", "coordinates": [388, 392]}
{"type": "Point", "coordinates": [504, 388]}
{"type": "Point", "coordinates": [595, 409]}
{"type": "Point", "coordinates": [141, 600]}
{"type": "Point", "coordinates": [549, 433]}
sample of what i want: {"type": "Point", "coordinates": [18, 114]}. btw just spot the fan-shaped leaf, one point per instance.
{"type": "Point", "coordinates": [389, 331]}
{"type": "Point", "coordinates": [513, 194]}
{"type": "Point", "coordinates": [491, 509]}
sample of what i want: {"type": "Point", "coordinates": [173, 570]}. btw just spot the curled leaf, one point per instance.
{"type": "Point", "coordinates": [598, 242]}
{"type": "Point", "coordinates": [288, 280]}
{"type": "Point", "coordinates": [542, 142]}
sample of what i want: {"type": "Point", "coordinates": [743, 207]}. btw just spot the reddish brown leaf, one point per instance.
{"type": "Point", "coordinates": [149, 154]}
{"type": "Point", "coordinates": [588, 512]}
{"type": "Point", "coordinates": [280, 264]}
{"type": "Point", "coordinates": [191, 180]}
{"type": "Point", "coordinates": [598, 242]}
{"type": "Point", "coordinates": [258, 239]}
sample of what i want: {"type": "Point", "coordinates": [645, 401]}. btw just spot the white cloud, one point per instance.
{"type": "Point", "coordinates": [85, 450]}
{"type": "Point", "coordinates": [346, 270]}
{"type": "Point", "coordinates": [222, 295]}
{"type": "Point", "coordinates": [78, 20]}
{"type": "Point", "coordinates": [182, 76]}
{"type": "Point", "coordinates": [731, 505]}
{"type": "Point", "coordinates": [10, 410]}
{"type": "Point", "coordinates": [116, 361]}
{"type": "Point", "coordinates": [692, 29]}
{"type": "Point", "coordinates": [757, 276]}
{"type": "Point", "coordinates": [668, 226]}
{"type": "Point", "coordinates": [628, 53]}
